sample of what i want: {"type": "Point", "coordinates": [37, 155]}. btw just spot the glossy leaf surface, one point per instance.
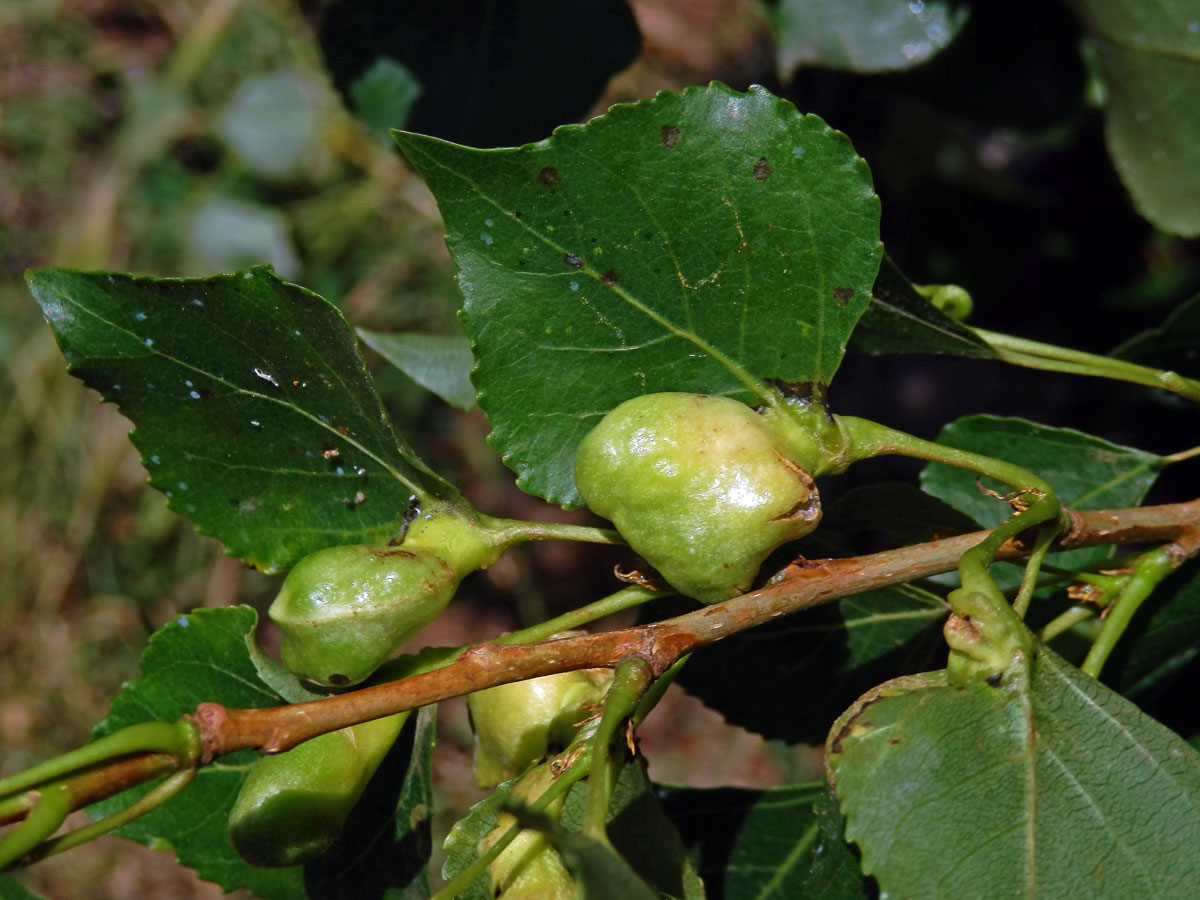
{"type": "Point", "coordinates": [702, 241]}
{"type": "Point", "coordinates": [254, 412]}
{"type": "Point", "coordinates": [1049, 785]}
{"type": "Point", "coordinates": [863, 35]}
{"type": "Point", "coordinates": [439, 363]}
{"type": "Point", "coordinates": [1150, 57]}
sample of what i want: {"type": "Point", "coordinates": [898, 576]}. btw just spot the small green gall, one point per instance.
{"type": "Point", "coordinates": [529, 868]}
{"type": "Point", "coordinates": [292, 806]}
{"type": "Point", "coordinates": [517, 725]}
{"type": "Point", "coordinates": [344, 610]}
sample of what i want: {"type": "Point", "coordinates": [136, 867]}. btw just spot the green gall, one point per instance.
{"type": "Point", "coordinates": [344, 610]}
{"type": "Point", "coordinates": [517, 725]}
{"type": "Point", "coordinates": [292, 806]}
{"type": "Point", "coordinates": [951, 299]}
{"type": "Point", "coordinates": [703, 488]}
{"type": "Point", "coordinates": [529, 868]}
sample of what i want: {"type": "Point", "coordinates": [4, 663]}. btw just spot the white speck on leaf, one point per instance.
{"type": "Point", "coordinates": [266, 376]}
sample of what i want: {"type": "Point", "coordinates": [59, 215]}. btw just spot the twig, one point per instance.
{"type": "Point", "coordinates": [802, 585]}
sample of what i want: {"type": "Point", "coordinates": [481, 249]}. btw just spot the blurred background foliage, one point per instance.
{"type": "Point", "coordinates": [188, 137]}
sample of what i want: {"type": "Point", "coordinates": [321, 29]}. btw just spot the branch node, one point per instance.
{"type": "Point", "coordinates": [209, 718]}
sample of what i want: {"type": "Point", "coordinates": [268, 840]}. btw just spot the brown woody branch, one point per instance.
{"type": "Point", "coordinates": [803, 584]}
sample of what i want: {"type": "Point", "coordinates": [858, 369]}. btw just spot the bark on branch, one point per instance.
{"type": "Point", "coordinates": [804, 584]}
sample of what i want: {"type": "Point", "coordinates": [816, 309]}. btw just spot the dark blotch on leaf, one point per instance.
{"type": "Point", "coordinates": [205, 393]}
{"type": "Point", "coordinates": [609, 277]}
{"type": "Point", "coordinates": [995, 678]}
{"type": "Point", "coordinates": [573, 261]}
{"type": "Point", "coordinates": [549, 176]}
{"type": "Point", "coordinates": [670, 135]}
{"type": "Point", "coordinates": [842, 295]}
{"type": "Point", "coordinates": [762, 170]}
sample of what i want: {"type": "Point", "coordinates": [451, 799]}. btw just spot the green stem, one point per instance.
{"type": "Point", "coordinates": [1045, 538]}
{"type": "Point", "coordinates": [1049, 357]}
{"type": "Point", "coordinates": [1065, 622]}
{"type": "Point", "coordinates": [511, 532]}
{"type": "Point", "coordinates": [152, 799]}
{"type": "Point", "coordinates": [1182, 455]}
{"type": "Point", "coordinates": [179, 739]}
{"type": "Point", "coordinates": [656, 690]}
{"type": "Point", "coordinates": [631, 678]}
{"type": "Point", "coordinates": [458, 885]}
{"type": "Point", "coordinates": [625, 598]}
{"type": "Point", "coordinates": [869, 439]}
{"type": "Point", "coordinates": [52, 807]}
{"type": "Point", "coordinates": [1152, 568]}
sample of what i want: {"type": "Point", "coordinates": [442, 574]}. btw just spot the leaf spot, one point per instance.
{"type": "Point", "coordinates": [797, 152]}
{"type": "Point", "coordinates": [670, 136]}
{"type": "Point", "coordinates": [549, 176]}
{"type": "Point", "coordinates": [609, 277]}
{"type": "Point", "coordinates": [574, 285]}
{"type": "Point", "coordinates": [842, 295]}
{"type": "Point", "coordinates": [139, 317]}
{"type": "Point", "coordinates": [486, 238]}
{"type": "Point", "coordinates": [762, 170]}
